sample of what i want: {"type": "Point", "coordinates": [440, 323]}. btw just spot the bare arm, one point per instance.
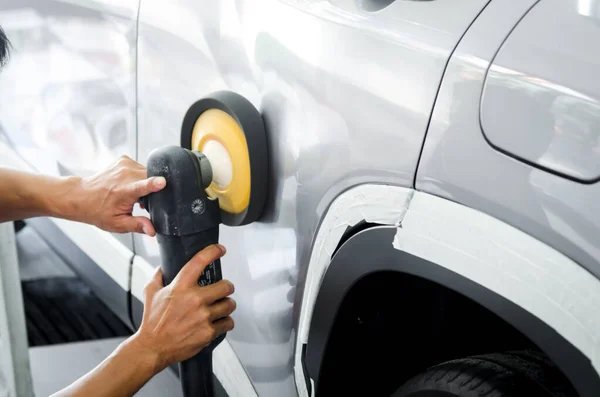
{"type": "Point", "coordinates": [105, 199]}
{"type": "Point", "coordinates": [25, 195]}
{"type": "Point", "coordinates": [122, 374]}
{"type": "Point", "coordinates": [179, 320]}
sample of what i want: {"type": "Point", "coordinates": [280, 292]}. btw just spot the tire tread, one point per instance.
{"type": "Point", "coordinates": [510, 374]}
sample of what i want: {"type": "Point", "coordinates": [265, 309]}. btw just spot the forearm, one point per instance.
{"type": "Point", "coordinates": [25, 195]}
{"type": "Point", "coordinates": [122, 374]}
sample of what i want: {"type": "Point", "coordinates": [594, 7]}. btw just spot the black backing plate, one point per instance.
{"type": "Point", "coordinates": [251, 123]}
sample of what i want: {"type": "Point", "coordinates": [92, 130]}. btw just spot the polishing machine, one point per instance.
{"type": "Point", "coordinates": [219, 175]}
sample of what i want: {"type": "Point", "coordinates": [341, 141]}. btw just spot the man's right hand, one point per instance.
{"type": "Point", "coordinates": [182, 318]}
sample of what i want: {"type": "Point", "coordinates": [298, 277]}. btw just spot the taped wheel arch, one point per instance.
{"type": "Point", "coordinates": [348, 266]}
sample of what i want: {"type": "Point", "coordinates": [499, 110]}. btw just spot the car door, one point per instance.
{"type": "Point", "coordinates": [67, 107]}
{"type": "Point", "coordinates": [345, 88]}
{"type": "Point", "coordinates": [515, 130]}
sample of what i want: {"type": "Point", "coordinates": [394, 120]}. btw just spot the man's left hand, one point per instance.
{"type": "Point", "coordinates": [106, 199]}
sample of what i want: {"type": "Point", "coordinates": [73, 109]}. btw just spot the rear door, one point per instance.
{"type": "Point", "coordinates": [346, 89]}
{"type": "Point", "coordinates": [516, 128]}
{"type": "Point", "coordinates": [67, 106]}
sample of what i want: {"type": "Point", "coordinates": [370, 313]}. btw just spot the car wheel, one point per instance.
{"type": "Point", "coordinates": [515, 374]}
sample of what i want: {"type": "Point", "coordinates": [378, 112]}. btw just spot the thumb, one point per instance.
{"type": "Point", "coordinates": [146, 186]}
{"type": "Point", "coordinates": [154, 285]}
{"type": "Point", "coordinates": [192, 271]}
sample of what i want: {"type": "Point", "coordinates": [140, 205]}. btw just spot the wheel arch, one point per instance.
{"type": "Point", "coordinates": [527, 284]}
{"type": "Point", "coordinates": [370, 251]}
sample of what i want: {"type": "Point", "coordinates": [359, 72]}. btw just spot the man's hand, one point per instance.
{"type": "Point", "coordinates": [182, 318]}
{"type": "Point", "coordinates": [106, 199]}
{"type": "Point", "coordinates": [179, 320]}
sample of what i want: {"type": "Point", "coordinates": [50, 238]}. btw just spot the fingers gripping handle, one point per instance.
{"type": "Point", "coordinates": [176, 251]}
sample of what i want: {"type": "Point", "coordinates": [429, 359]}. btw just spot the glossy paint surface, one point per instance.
{"type": "Point", "coordinates": [458, 163]}
{"type": "Point", "coordinates": [67, 96]}
{"type": "Point", "coordinates": [346, 96]}
{"type": "Point", "coordinates": [541, 100]}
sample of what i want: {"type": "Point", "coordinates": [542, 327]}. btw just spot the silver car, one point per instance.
{"type": "Point", "coordinates": [433, 223]}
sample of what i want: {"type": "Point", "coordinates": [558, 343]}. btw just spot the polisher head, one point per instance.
{"type": "Point", "coordinates": [230, 132]}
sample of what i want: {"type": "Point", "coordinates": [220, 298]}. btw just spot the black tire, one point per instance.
{"type": "Point", "coordinates": [512, 374]}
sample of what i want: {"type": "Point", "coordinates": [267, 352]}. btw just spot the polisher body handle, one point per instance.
{"type": "Point", "coordinates": [186, 221]}
{"type": "Point", "coordinates": [176, 251]}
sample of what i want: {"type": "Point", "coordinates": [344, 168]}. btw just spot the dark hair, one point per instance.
{"type": "Point", "coordinates": [4, 47]}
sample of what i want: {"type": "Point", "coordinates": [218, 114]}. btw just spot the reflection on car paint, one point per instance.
{"type": "Point", "coordinates": [330, 126]}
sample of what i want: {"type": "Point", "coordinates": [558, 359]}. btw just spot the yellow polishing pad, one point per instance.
{"type": "Point", "coordinates": [214, 130]}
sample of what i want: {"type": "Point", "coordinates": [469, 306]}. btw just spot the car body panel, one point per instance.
{"type": "Point", "coordinates": [459, 164]}
{"type": "Point", "coordinates": [67, 96]}
{"type": "Point", "coordinates": [541, 99]}
{"type": "Point", "coordinates": [346, 96]}
{"type": "Point", "coordinates": [67, 107]}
